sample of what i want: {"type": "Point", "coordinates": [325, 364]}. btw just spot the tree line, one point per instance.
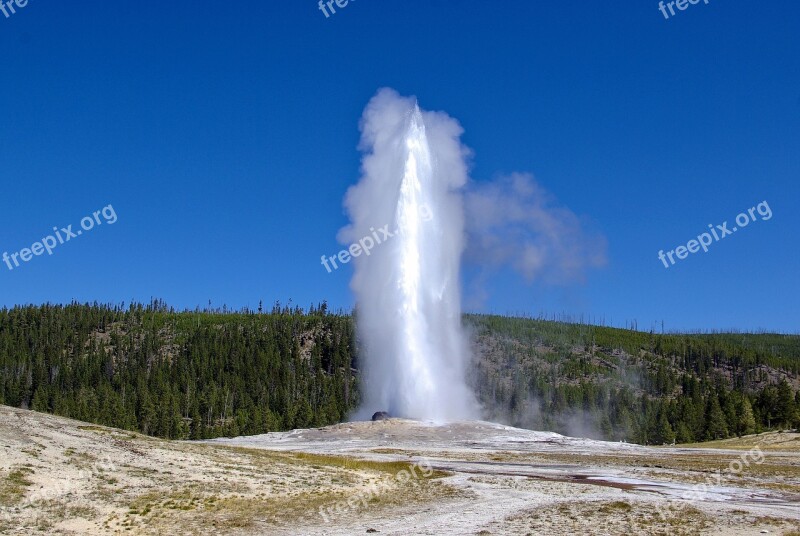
{"type": "Point", "coordinates": [179, 375]}
{"type": "Point", "coordinates": [212, 373]}
{"type": "Point", "coordinates": [626, 385]}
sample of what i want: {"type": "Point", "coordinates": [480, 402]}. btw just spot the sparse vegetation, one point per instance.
{"type": "Point", "coordinates": [14, 485]}
{"type": "Point", "coordinates": [167, 487]}
{"type": "Point", "coordinates": [616, 517]}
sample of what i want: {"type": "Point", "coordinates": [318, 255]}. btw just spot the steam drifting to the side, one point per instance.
{"type": "Point", "coordinates": [514, 222]}
{"type": "Point", "coordinates": [414, 351]}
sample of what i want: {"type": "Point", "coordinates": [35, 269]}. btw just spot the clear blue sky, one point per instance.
{"type": "Point", "coordinates": [224, 135]}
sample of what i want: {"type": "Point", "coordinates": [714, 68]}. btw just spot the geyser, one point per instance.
{"type": "Point", "coordinates": [414, 352]}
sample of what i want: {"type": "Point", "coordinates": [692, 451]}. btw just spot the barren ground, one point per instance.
{"type": "Point", "coordinates": [59, 476]}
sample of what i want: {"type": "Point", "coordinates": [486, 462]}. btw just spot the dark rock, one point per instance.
{"type": "Point", "coordinates": [380, 416]}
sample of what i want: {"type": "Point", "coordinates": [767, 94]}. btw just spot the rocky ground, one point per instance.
{"type": "Point", "coordinates": [59, 476]}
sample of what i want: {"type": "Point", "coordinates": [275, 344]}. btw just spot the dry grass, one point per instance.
{"type": "Point", "coordinates": [14, 485]}
{"type": "Point", "coordinates": [783, 441]}
{"type": "Point", "coordinates": [699, 462]}
{"type": "Point", "coordinates": [355, 464]}
{"type": "Point", "coordinates": [601, 518]}
{"type": "Point", "coordinates": [330, 483]}
{"type": "Point", "coordinates": [91, 479]}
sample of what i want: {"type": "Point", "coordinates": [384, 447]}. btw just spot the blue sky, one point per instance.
{"type": "Point", "coordinates": [224, 135]}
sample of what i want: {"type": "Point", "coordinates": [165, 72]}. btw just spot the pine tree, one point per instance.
{"type": "Point", "coordinates": [768, 404]}
{"type": "Point", "coordinates": [682, 433]}
{"type": "Point", "coordinates": [784, 408]}
{"type": "Point", "coordinates": [664, 433]}
{"type": "Point", "coordinates": [717, 427]}
{"type": "Point", "coordinates": [196, 428]}
{"type": "Point", "coordinates": [305, 415]}
{"type": "Point", "coordinates": [40, 400]}
{"type": "Point", "coordinates": [747, 421]}
{"type": "Point", "coordinates": [797, 409]}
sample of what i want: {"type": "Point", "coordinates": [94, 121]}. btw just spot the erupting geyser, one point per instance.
{"type": "Point", "coordinates": [414, 351]}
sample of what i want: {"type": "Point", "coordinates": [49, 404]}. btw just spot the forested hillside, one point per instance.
{"type": "Point", "coordinates": [179, 375]}
{"type": "Point", "coordinates": [628, 385]}
{"type": "Point", "coordinates": [214, 373]}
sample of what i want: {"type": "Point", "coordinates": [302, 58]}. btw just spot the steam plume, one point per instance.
{"type": "Point", "coordinates": [414, 350]}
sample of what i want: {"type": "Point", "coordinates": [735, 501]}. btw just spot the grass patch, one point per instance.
{"type": "Point", "coordinates": [596, 519]}
{"type": "Point", "coordinates": [14, 485]}
{"type": "Point", "coordinates": [94, 428]}
{"type": "Point", "coordinates": [311, 508]}
{"type": "Point", "coordinates": [616, 506]}
{"type": "Point", "coordinates": [337, 485]}
{"type": "Point", "coordinates": [781, 441]}
{"type": "Point", "coordinates": [81, 459]}
{"type": "Point", "coordinates": [121, 434]}
{"type": "Point", "coordinates": [355, 464]}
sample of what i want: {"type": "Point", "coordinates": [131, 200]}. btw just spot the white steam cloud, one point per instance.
{"type": "Point", "coordinates": [514, 222]}
{"type": "Point", "coordinates": [411, 214]}
{"type": "Point", "coordinates": [414, 351]}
